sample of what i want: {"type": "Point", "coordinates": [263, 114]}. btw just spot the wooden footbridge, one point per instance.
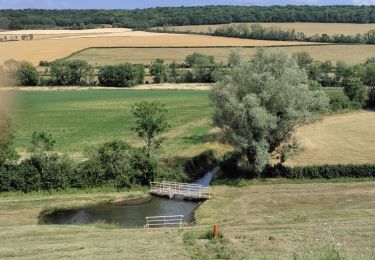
{"type": "Point", "coordinates": [185, 190]}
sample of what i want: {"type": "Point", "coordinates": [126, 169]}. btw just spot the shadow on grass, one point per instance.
{"type": "Point", "coordinates": [205, 138]}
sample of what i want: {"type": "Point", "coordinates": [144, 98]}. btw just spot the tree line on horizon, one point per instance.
{"type": "Point", "coordinates": [160, 16]}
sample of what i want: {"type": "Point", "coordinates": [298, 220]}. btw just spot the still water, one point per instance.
{"type": "Point", "coordinates": [128, 215]}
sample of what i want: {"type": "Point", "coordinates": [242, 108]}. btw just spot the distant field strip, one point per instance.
{"type": "Point", "coordinates": [352, 54]}
{"type": "Point", "coordinates": [52, 49]}
{"type": "Point", "coordinates": [307, 28]}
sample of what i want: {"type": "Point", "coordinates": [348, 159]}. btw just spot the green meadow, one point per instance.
{"type": "Point", "coordinates": [82, 119]}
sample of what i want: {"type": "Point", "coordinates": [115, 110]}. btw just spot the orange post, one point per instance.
{"type": "Point", "coordinates": [215, 231]}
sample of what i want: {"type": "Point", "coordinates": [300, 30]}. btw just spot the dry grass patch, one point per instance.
{"type": "Point", "coordinates": [337, 139]}
{"type": "Point", "coordinates": [279, 221]}
{"type": "Point", "coordinates": [352, 54]}
{"type": "Point", "coordinates": [52, 49]}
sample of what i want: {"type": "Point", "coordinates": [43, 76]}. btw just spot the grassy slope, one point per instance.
{"type": "Point", "coordinates": [352, 54]}
{"type": "Point", "coordinates": [81, 119]}
{"type": "Point", "coordinates": [257, 222]}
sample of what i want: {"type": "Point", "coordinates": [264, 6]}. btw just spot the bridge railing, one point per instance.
{"type": "Point", "coordinates": [183, 189]}
{"type": "Point", "coordinates": [164, 221]}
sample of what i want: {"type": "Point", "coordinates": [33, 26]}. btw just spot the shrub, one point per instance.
{"type": "Point", "coordinates": [321, 171]}
{"type": "Point", "coordinates": [71, 73]}
{"type": "Point", "coordinates": [159, 70]}
{"type": "Point", "coordinates": [355, 90]}
{"type": "Point", "coordinates": [121, 75]}
{"type": "Point", "coordinates": [339, 102]}
{"type": "Point", "coordinates": [27, 75]}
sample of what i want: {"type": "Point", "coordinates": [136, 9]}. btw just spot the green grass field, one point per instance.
{"type": "Point", "coordinates": [79, 119]}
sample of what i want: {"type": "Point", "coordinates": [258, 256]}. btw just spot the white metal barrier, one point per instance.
{"type": "Point", "coordinates": [164, 221]}
{"type": "Point", "coordinates": [170, 189]}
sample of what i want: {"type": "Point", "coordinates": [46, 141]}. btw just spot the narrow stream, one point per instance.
{"type": "Point", "coordinates": [129, 215]}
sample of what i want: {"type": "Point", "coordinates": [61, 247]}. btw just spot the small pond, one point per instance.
{"type": "Point", "coordinates": [128, 215]}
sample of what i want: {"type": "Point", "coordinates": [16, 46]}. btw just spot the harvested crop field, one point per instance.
{"type": "Point", "coordinates": [307, 28]}
{"type": "Point", "coordinates": [338, 139]}
{"type": "Point", "coordinates": [52, 49]}
{"type": "Point", "coordinates": [352, 54]}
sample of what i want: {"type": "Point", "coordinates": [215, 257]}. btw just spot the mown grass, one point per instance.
{"type": "Point", "coordinates": [79, 120]}
{"type": "Point", "coordinates": [276, 221]}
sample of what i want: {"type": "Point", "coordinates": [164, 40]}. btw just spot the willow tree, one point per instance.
{"type": "Point", "coordinates": [259, 103]}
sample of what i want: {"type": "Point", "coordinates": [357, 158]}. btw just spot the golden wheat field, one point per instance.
{"type": "Point", "coordinates": [338, 139]}
{"type": "Point", "coordinates": [52, 49]}
{"type": "Point", "coordinates": [352, 54]}
{"type": "Point", "coordinates": [307, 28]}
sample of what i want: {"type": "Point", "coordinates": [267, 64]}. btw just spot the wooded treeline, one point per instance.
{"type": "Point", "coordinates": [145, 18]}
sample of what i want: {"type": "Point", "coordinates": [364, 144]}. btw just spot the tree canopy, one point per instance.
{"type": "Point", "coordinates": [145, 18]}
{"type": "Point", "coordinates": [259, 103]}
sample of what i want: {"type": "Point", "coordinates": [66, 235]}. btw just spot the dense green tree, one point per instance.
{"type": "Point", "coordinates": [196, 58]}
{"type": "Point", "coordinates": [355, 90]}
{"type": "Point", "coordinates": [27, 75]}
{"type": "Point", "coordinates": [150, 121]}
{"type": "Point", "coordinates": [259, 104]}
{"type": "Point", "coordinates": [303, 59]}
{"type": "Point", "coordinates": [121, 75]}
{"type": "Point", "coordinates": [371, 97]}
{"type": "Point", "coordinates": [146, 18]}
{"type": "Point", "coordinates": [159, 70]}
{"type": "Point", "coordinates": [71, 73]}
{"type": "Point", "coordinates": [234, 58]}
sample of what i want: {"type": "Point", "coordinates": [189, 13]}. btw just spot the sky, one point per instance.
{"type": "Point", "coordinates": [132, 4]}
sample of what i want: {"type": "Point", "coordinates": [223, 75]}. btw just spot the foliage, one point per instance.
{"type": "Point", "coordinates": [321, 171]}
{"type": "Point", "coordinates": [259, 103]}
{"type": "Point", "coordinates": [150, 121]}
{"type": "Point", "coordinates": [121, 75]}
{"type": "Point", "coordinates": [27, 75]}
{"type": "Point", "coordinates": [41, 142]}
{"type": "Point", "coordinates": [85, 19]}
{"type": "Point", "coordinates": [339, 103]}
{"type": "Point", "coordinates": [257, 31]}
{"type": "Point", "coordinates": [234, 58]}
{"type": "Point", "coordinates": [71, 73]}
{"type": "Point", "coordinates": [118, 164]}
{"type": "Point", "coordinates": [159, 70]}
{"type": "Point", "coordinates": [303, 59]}
{"type": "Point", "coordinates": [355, 90]}
{"type": "Point", "coordinates": [7, 151]}
{"type": "Point", "coordinates": [196, 58]}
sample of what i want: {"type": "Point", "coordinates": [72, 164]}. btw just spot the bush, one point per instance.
{"type": "Point", "coordinates": [339, 102]}
{"type": "Point", "coordinates": [71, 73]}
{"type": "Point", "coordinates": [121, 75]}
{"type": "Point", "coordinates": [116, 163]}
{"type": "Point", "coordinates": [197, 166]}
{"type": "Point", "coordinates": [159, 70]}
{"type": "Point", "coordinates": [355, 90]}
{"type": "Point", "coordinates": [27, 75]}
{"type": "Point", "coordinates": [321, 171]}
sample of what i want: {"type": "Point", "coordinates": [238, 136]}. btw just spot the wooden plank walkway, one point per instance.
{"type": "Point", "coordinates": [186, 190]}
